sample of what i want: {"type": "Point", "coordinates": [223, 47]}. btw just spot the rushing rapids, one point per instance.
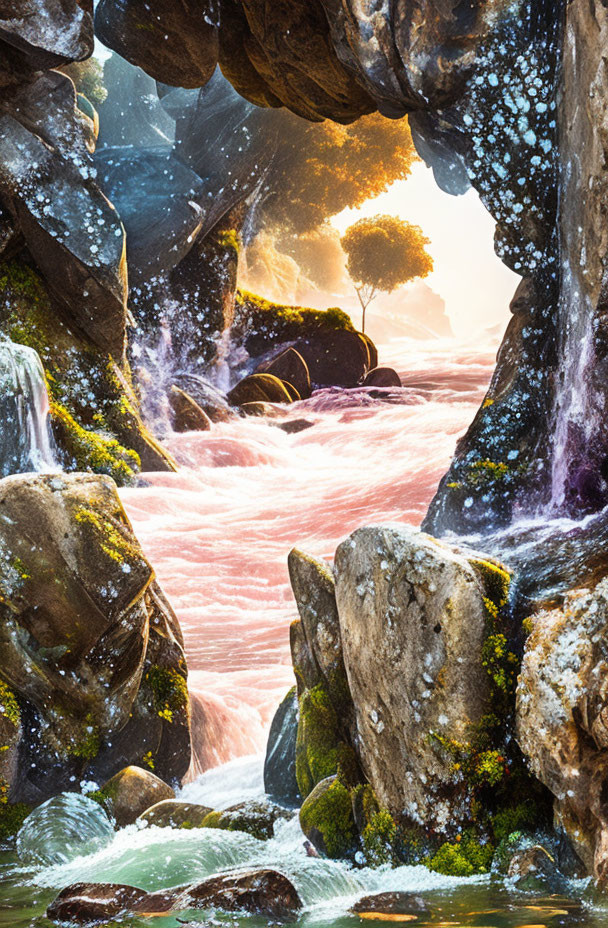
{"type": "Point", "coordinates": [218, 532]}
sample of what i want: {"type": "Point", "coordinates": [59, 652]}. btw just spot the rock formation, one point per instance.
{"type": "Point", "coordinates": [406, 659]}
{"type": "Point", "coordinates": [93, 672]}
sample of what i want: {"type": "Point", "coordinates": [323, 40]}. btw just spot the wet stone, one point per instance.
{"type": "Point", "coordinates": [392, 906]}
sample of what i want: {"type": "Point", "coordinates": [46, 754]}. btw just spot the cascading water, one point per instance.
{"type": "Point", "coordinates": [25, 439]}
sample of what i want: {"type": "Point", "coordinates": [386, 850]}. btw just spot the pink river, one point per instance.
{"type": "Point", "coordinates": [218, 532]}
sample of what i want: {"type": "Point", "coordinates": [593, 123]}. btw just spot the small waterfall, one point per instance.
{"type": "Point", "coordinates": [575, 415]}
{"type": "Point", "coordinates": [25, 437]}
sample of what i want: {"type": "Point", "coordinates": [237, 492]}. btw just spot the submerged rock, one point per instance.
{"type": "Point", "coordinates": [254, 818]}
{"type": "Point", "coordinates": [534, 869]}
{"type": "Point", "coordinates": [382, 377]}
{"type": "Point", "coordinates": [187, 414]}
{"type": "Point", "coordinates": [293, 426]}
{"type": "Point", "coordinates": [91, 903]}
{"type": "Point", "coordinates": [289, 366]}
{"type": "Point", "coordinates": [262, 892]}
{"type": "Point", "coordinates": [170, 813]}
{"type": "Point", "coordinates": [130, 792]}
{"type": "Point", "coordinates": [280, 763]}
{"type": "Point", "coordinates": [391, 906]}
{"type": "Point", "coordinates": [260, 388]}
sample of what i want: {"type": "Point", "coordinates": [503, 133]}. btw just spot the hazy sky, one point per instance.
{"type": "Point", "coordinates": [475, 284]}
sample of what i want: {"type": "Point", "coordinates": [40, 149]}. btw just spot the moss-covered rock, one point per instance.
{"type": "Point", "coordinates": [255, 818]}
{"type": "Point", "coordinates": [94, 409]}
{"type": "Point", "coordinates": [261, 324]}
{"type": "Point", "coordinates": [92, 654]}
{"type": "Point", "coordinates": [327, 820]}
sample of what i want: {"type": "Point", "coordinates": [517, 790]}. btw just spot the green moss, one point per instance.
{"type": "Point", "coordinates": [252, 818]}
{"type": "Point", "coordinates": [9, 707]}
{"type": "Point", "coordinates": [496, 581]}
{"type": "Point", "coordinates": [261, 323]}
{"type": "Point", "coordinates": [500, 663]}
{"type": "Point", "coordinates": [528, 625]}
{"type": "Point", "coordinates": [169, 692]}
{"type": "Point", "coordinates": [86, 746]}
{"type": "Point", "coordinates": [466, 857]}
{"type": "Point", "coordinates": [327, 817]}
{"type": "Point", "coordinates": [12, 815]}
{"type": "Point", "coordinates": [93, 406]}
{"type": "Point", "coordinates": [105, 796]}
{"type": "Point", "coordinates": [113, 543]}
{"type": "Point", "coordinates": [229, 238]}
{"type": "Point", "coordinates": [212, 820]}
{"type": "Point", "coordinates": [317, 747]}
{"type": "Point", "coordinates": [93, 452]}
{"type": "Point", "coordinates": [524, 816]}
{"type": "Point", "coordinates": [483, 474]}
{"type": "Point", "coordinates": [378, 839]}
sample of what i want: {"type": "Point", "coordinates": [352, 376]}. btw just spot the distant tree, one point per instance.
{"type": "Point", "coordinates": [383, 253]}
{"type": "Point", "coordinates": [319, 169]}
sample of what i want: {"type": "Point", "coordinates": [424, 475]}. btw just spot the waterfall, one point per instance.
{"type": "Point", "coordinates": [25, 437]}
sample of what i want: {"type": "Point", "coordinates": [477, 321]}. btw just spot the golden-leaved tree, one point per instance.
{"type": "Point", "coordinates": [319, 169]}
{"type": "Point", "coordinates": [384, 252]}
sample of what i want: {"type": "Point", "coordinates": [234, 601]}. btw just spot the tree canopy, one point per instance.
{"type": "Point", "coordinates": [319, 169]}
{"type": "Point", "coordinates": [384, 252]}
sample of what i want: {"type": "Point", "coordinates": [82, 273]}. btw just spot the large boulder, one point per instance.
{"type": "Point", "coordinates": [161, 203]}
{"type": "Point", "coordinates": [339, 358]}
{"type": "Point", "coordinates": [130, 792]}
{"type": "Point", "coordinates": [413, 623]}
{"type": "Point", "coordinates": [562, 723]}
{"type": "Point", "coordinates": [92, 651]}
{"type": "Point", "coordinates": [325, 711]}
